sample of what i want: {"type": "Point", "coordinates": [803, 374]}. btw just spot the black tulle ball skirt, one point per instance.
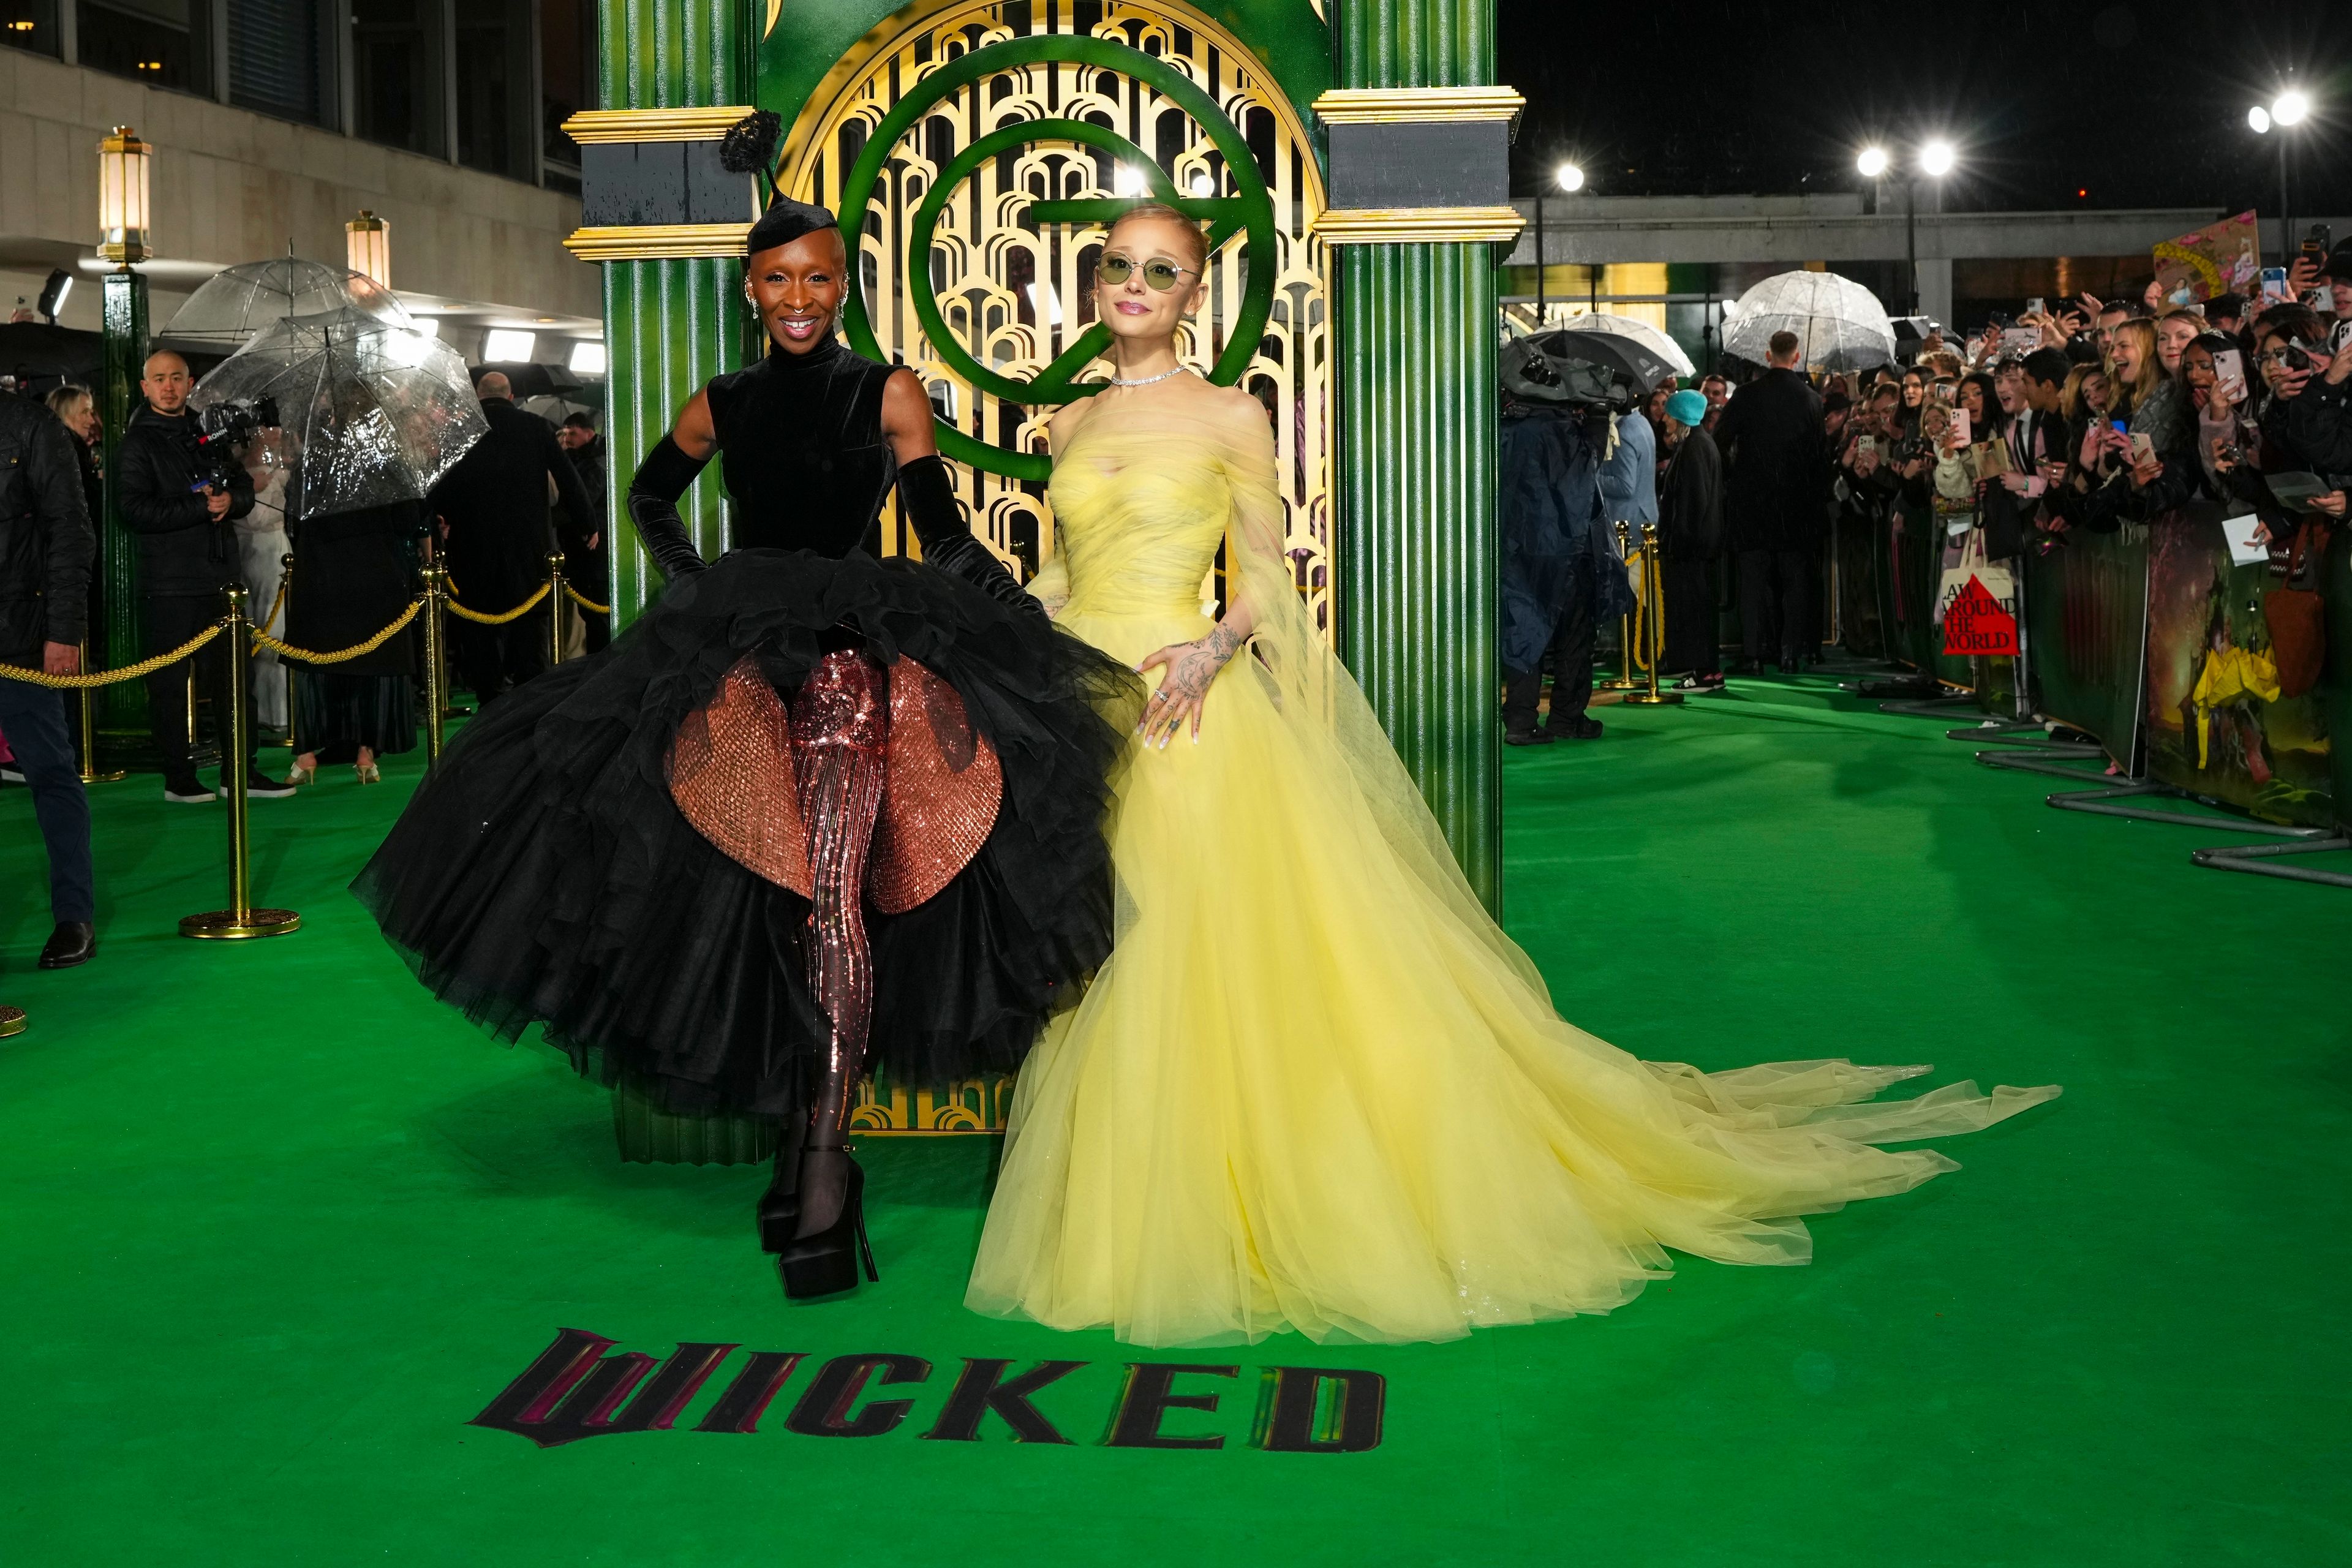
{"type": "Point", "coordinates": [543, 874]}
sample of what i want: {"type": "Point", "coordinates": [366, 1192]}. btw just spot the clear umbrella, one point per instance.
{"type": "Point", "coordinates": [1661, 346]}
{"type": "Point", "coordinates": [240, 301]}
{"type": "Point", "coordinates": [1840, 324]}
{"type": "Point", "coordinates": [376, 413]}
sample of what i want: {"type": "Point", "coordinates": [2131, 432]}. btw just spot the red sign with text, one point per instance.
{"type": "Point", "coordinates": [1976, 624]}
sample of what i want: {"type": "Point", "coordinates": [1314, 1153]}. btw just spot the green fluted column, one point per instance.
{"type": "Point", "coordinates": [122, 352]}
{"type": "Point", "coordinates": [671, 324]}
{"type": "Point", "coordinates": [1415, 456]}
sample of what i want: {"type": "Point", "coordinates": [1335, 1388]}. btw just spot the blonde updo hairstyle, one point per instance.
{"type": "Point", "coordinates": [1196, 243]}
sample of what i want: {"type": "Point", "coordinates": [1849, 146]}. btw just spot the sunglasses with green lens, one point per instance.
{"type": "Point", "coordinates": [1158, 275]}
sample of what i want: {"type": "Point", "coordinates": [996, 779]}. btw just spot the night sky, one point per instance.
{"type": "Point", "coordinates": [2138, 104]}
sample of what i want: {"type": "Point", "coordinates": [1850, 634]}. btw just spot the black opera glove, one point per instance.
{"type": "Point", "coordinates": [652, 505]}
{"type": "Point", "coordinates": [947, 539]}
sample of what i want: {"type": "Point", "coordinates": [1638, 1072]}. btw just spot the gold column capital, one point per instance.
{"type": "Point", "coordinates": [1417, 105]}
{"type": "Point", "coordinates": [1418, 226]}
{"type": "Point", "coordinates": [707, 123]}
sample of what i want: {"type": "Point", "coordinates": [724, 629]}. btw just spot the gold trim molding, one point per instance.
{"type": "Point", "coordinates": [1417, 105]}
{"type": "Point", "coordinates": [702, 124]}
{"type": "Point", "coordinates": [649, 242]}
{"type": "Point", "coordinates": [1418, 226]}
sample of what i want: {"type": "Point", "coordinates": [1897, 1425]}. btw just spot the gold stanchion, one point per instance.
{"type": "Point", "coordinates": [90, 771]}
{"type": "Point", "coordinates": [1625, 680]}
{"type": "Point", "coordinates": [240, 919]}
{"type": "Point", "coordinates": [1653, 606]}
{"type": "Point", "coordinates": [555, 608]}
{"type": "Point", "coordinates": [437, 589]}
{"type": "Point", "coordinates": [11, 1022]}
{"type": "Point", "coordinates": [285, 581]}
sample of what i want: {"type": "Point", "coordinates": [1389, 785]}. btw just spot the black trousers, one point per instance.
{"type": "Point", "coordinates": [1571, 657]}
{"type": "Point", "coordinates": [34, 719]}
{"type": "Point", "coordinates": [1692, 642]}
{"type": "Point", "coordinates": [1776, 606]}
{"type": "Point", "coordinates": [171, 619]}
{"type": "Point", "coordinates": [493, 659]}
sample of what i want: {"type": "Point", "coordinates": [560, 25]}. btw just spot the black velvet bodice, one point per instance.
{"type": "Point", "coordinates": [802, 450]}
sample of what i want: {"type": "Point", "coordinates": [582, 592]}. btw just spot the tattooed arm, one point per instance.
{"type": "Point", "coordinates": [1186, 669]}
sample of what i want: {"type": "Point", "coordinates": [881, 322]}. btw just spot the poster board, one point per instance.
{"type": "Point", "coordinates": [2223, 257]}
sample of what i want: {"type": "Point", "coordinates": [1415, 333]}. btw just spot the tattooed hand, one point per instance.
{"type": "Point", "coordinates": [1187, 669]}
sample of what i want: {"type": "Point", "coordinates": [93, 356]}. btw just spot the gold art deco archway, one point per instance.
{"type": "Point", "coordinates": [1150, 100]}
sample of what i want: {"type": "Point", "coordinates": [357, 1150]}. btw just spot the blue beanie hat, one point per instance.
{"type": "Point", "coordinates": [1687, 407]}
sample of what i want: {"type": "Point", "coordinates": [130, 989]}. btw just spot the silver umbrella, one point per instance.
{"type": "Point", "coordinates": [377, 413]}
{"type": "Point", "coordinates": [240, 301]}
{"type": "Point", "coordinates": [1840, 324]}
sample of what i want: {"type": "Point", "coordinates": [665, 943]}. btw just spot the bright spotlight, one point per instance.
{"type": "Point", "coordinates": [2290, 108]}
{"type": "Point", "coordinates": [1204, 186]}
{"type": "Point", "coordinates": [2259, 117]}
{"type": "Point", "coordinates": [1129, 182]}
{"type": "Point", "coordinates": [1873, 163]}
{"type": "Point", "coordinates": [1570, 176]}
{"type": "Point", "coordinates": [1937, 158]}
{"type": "Point", "coordinates": [504, 346]}
{"type": "Point", "coordinates": [587, 359]}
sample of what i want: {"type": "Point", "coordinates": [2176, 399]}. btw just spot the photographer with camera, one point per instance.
{"type": "Point", "coordinates": [182, 489]}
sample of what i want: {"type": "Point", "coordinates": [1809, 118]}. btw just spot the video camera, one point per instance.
{"type": "Point", "coordinates": [221, 429]}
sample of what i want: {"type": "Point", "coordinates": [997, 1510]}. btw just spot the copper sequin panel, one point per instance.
{"type": "Point", "coordinates": [840, 723]}
{"type": "Point", "coordinates": [945, 786]}
{"type": "Point", "coordinates": [731, 772]}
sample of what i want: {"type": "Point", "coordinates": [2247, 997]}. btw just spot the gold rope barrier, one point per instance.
{"type": "Point", "coordinates": [1651, 606]}
{"type": "Point", "coordinates": [90, 771]}
{"type": "Point", "coordinates": [585, 603]}
{"type": "Point", "coordinates": [11, 1022]}
{"type": "Point", "coordinates": [145, 667]}
{"type": "Point", "coordinates": [1624, 679]}
{"type": "Point", "coordinates": [517, 612]}
{"type": "Point", "coordinates": [240, 920]}
{"type": "Point", "coordinates": [305, 656]}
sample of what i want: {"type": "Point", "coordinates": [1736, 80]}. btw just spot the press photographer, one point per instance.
{"type": "Point", "coordinates": [182, 488]}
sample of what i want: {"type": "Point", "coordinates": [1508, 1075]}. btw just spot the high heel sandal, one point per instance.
{"type": "Point", "coordinates": [367, 773]}
{"type": "Point", "coordinates": [821, 1264]}
{"type": "Point", "coordinates": [298, 774]}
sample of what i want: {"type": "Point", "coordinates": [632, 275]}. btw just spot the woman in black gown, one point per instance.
{"type": "Point", "coordinates": [665, 854]}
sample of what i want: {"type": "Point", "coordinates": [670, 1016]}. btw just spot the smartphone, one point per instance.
{"type": "Point", "coordinates": [1960, 431]}
{"type": "Point", "coordinates": [2119, 428]}
{"type": "Point", "coordinates": [2142, 447]}
{"type": "Point", "coordinates": [2036, 306]}
{"type": "Point", "coordinates": [1944, 391]}
{"type": "Point", "coordinates": [1866, 444]}
{"type": "Point", "coordinates": [2316, 242]}
{"type": "Point", "coordinates": [2274, 284]}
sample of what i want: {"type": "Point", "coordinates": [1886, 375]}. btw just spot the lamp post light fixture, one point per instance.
{"type": "Point", "coordinates": [2291, 108]}
{"type": "Point", "coordinates": [122, 197]}
{"type": "Point", "coordinates": [1571, 178]}
{"type": "Point", "coordinates": [1934, 159]}
{"type": "Point", "coordinates": [367, 246]}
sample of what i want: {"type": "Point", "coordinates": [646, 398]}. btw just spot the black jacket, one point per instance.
{"type": "Point", "coordinates": [46, 543]}
{"type": "Point", "coordinates": [182, 548]}
{"type": "Point", "coordinates": [1779, 474]}
{"type": "Point", "coordinates": [494, 503]}
{"type": "Point", "coordinates": [1690, 504]}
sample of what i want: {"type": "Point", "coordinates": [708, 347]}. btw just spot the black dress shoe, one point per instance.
{"type": "Point", "coordinates": [1525, 738]}
{"type": "Point", "coordinates": [74, 942]}
{"type": "Point", "coordinates": [1582, 727]}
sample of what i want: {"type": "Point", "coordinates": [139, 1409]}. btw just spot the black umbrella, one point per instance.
{"type": "Point", "coordinates": [39, 356]}
{"type": "Point", "coordinates": [1614, 351]}
{"type": "Point", "coordinates": [530, 380]}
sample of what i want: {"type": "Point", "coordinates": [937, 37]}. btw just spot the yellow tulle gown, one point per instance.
{"type": "Point", "coordinates": [1316, 1087]}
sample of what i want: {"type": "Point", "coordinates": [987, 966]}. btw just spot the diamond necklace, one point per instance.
{"type": "Point", "coordinates": [1147, 380]}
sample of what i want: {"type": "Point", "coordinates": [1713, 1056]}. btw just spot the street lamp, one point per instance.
{"type": "Point", "coordinates": [367, 247]}
{"type": "Point", "coordinates": [1934, 159]}
{"type": "Point", "coordinates": [123, 235]}
{"type": "Point", "coordinates": [2290, 108]}
{"type": "Point", "coordinates": [1571, 178]}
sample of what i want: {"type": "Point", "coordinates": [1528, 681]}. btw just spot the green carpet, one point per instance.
{"type": "Point", "coordinates": [274, 1227]}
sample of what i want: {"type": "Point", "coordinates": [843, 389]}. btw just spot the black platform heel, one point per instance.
{"type": "Point", "coordinates": [822, 1263]}
{"type": "Point", "coordinates": [779, 1211]}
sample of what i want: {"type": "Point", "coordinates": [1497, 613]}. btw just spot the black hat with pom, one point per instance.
{"type": "Point", "coordinates": [750, 147]}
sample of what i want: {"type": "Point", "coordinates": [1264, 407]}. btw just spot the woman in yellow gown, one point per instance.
{"type": "Point", "coordinates": [1315, 1087]}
